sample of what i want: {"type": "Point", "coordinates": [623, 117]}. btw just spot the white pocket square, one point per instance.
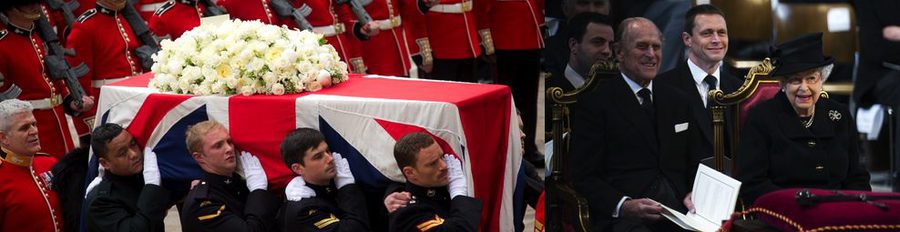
{"type": "Point", "coordinates": [681, 127]}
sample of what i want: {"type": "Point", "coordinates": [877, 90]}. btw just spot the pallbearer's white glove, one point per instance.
{"type": "Point", "coordinates": [344, 176]}
{"type": "Point", "coordinates": [458, 185]}
{"type": "Point", "coordinates": [96, 181]}
{"type": "Point", "coordinates": [151, 167]}
{"type": "Point", "coordinates": [253, 172]}
{"type": "Point", "coordinates": [297, 190]}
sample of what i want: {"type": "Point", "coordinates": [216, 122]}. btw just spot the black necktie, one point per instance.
{"type": "Point", "coordinates": [647, 106]}
{"type": "Point", "coordinates": [711, 83]}
{"type": "Point", "coordinates": [646, 100]}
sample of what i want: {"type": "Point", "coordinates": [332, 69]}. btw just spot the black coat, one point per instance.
{"type": "Point", "coordinates": [431, 209]}
{"type": "Point", "coordinates": [681, 78]}
{"type": "Point", "coordinates": [126, 204]}
{"type": "Point", "coordinates": [777, 151]}
{"type": "Point", "coordinates": [331, 209]}
{"type": "Point", "coordinates": [874, 49]}
{"type": "Point", "coordinates": [618, 150]}
{"type": "Point", "coordinates": [222, 203]}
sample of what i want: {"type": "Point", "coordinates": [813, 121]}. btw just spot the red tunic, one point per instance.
{"type": "Point", "coordinates": [21, 62]}
{"type": "Point", "coordinates": [27, 202]}
{"type": "Point", "coordinates": [104, 41]}
{"type": "Point", "coordinates": [513, 24]}
{"type": "Point", "coordinates": [176, 17]}
{"type": "Point", "coordinates": [335, 22]}
{"type": "Point", "coordinates": [416, 30]}
{"type": "Point", "coordinates": [386, 53]}
{"type": "Point", "coordinates": [250, 10]}
{"type": "Point", "coordinates": [453, 35]}
{"type": "Point", "coordinates": [144, 7]}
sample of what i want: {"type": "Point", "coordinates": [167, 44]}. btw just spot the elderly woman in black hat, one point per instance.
{"type": "Point", "coordinates": [799, 139]}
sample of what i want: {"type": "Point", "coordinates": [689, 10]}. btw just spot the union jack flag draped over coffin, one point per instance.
{"type": "Point", "coordinates": [362, 119]}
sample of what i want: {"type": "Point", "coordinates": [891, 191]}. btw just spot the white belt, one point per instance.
{"type": "Point", "coordinates": [330, 30]}
{"type": "Point", "coordinates": [387, 24]}
{"type": "Point", "coordinates": [456, 8]}
{"type": "Point", "coordinates": [152, 7]}
{"type": "Point", "coordinates": [100, 83]}
{"type": "Point", "coordinates": [45, 103]}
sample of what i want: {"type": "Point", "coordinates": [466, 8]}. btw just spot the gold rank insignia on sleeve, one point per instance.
{"type": "Point", "coordinates": [211, 216]}
{"type": "Point", "coordinates": [427, 225]}
{"type": "Point", "coordinates": [425, 50]}
{"type": "Point", "coordinates": [331, 219]}
{"type": "Point", "coordinates": [487, 41]}
{"type": "Point", "coordinates": [358, 65]}
{"type": "Point", "coordinates": [205, 203]}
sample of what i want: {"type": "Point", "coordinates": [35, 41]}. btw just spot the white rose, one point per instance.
{"type": "Point", "coordinates": [203, 90]}
{"type": "Point", "coordinates": [324, 78]}
{"type": "Point", "coordinates": [313, 86]}
{"type": "Point", "coordinates": [247, 90]}
{"type": "Point", "coordinates": [278, 89]}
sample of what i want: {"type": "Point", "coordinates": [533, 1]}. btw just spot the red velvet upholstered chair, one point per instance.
{"type": "Point", "coordinates": [758, 87]}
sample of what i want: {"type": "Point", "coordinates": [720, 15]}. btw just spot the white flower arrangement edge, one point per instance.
{"type": "Point", "coordinates": [246, 57]}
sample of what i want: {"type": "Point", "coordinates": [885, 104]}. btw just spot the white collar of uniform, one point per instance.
{"type": "Point", "coordinates": [574, 78]}
{"type": "Point", "coordinates": [699, 74]}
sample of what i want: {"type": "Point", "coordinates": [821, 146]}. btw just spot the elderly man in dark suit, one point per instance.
{"type": "Point", "coordinates": [633, 141]}
{"type": "Point", "coordinates": [706, 37]}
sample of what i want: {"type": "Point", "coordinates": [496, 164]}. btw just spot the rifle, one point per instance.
{"type": "Point", "coordinates": [142, 31]}
{"type": "Point", "coordinates": [66, 8]}
{"type": "Point", "coordinates": [358, 8]}
{"type": "Point", "coordinates": [56, 63]}
{"type": "Point", "coordinates": [284, 9]}
{"type": "Point", "coordinates": [212, 9]}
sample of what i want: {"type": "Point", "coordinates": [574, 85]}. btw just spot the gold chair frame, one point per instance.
{"type": "Point", "coordinates": [560, 194]}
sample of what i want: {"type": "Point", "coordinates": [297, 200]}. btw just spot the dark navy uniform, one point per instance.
{"type": "Point", "coordinates": [125, 203]}
{"type": "Point", "coordinates": [777, 151]}
{"type": "Point", "coordinates": [431, 209]}
{"type": "Point", "coordinates": [221, 203]}
{"type": "Point", "coordinates": [331, 209]}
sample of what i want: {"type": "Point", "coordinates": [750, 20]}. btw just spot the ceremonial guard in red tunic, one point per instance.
{"type": "Point", "coordinates": [22, 56]}
{"type": "Point", "coordinates": [386, 53]}
{"type": "Point", "coordinates": [453, 38]}
{"type": "Point", "coordinates": [26, 201]}
{"type": "Point", "coordinates": [512, 31]}
{"type": "Point", "coordinates": [104, 41]}
{"type": "Point", "coordinates": [417, 36]}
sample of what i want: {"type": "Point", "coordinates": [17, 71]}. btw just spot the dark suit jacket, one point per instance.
{"type": "Point", "coordinates": [874, 49]}
{"type": "Point", "coordinates": [122, 203]}
{"type": "Point", "coordinates": [617, 150]}
{"type": "Point", "coordinates": [681, 79]}
{"type": "Point", "coordinates": [778, 152]}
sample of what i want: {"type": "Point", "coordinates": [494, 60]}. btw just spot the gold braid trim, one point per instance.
{"type": "Point", "coordinates": [824, 228]}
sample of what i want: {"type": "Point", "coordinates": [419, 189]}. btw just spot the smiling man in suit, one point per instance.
{"type": "Point", "coordinates": [633, 144]}
{"type": "Point", "coordinates": [706, 37]}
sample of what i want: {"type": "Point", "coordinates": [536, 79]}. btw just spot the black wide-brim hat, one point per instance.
{"type": "Point", "coordinates": [9, 4]}
{"type": "Point", "coordinates": [798, 55]}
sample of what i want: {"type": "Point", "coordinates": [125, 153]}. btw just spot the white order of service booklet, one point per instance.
{"type": "Point", "coordinates": [714, 196]}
